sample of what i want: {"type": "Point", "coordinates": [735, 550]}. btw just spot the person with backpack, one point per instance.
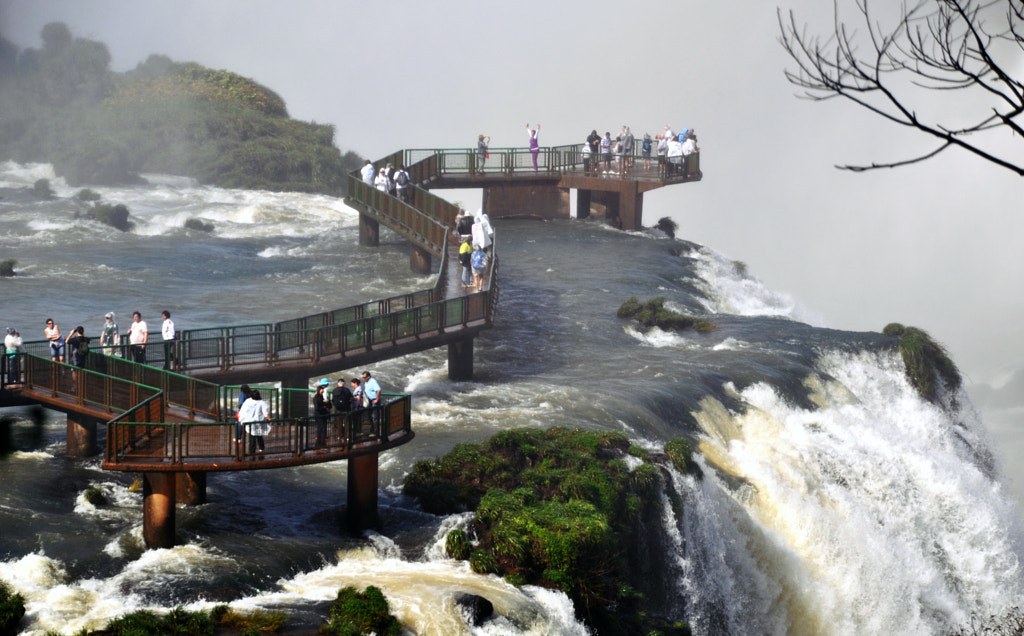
{"type": "Point", "coordinates": [466, 261]}
{"type": "Point", "coordinates": [78, 347]}
{"type": "Point", "coordinates": [402, 183]}
{"type": "Point", "coordinates": [479, 261]}
{"type": "Point", "coordinates": [645, 151]}
{"type": "Point", "coordinates": [321, 411]}
{"type": "Point", "coordinates": [464, 224]}
{"type": "Point", "coordinates": [627, 150]}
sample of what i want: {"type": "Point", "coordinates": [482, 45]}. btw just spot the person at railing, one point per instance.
{"type": "Point", "coordinates": [466, 261]}
{"type": "Point", "coordinates": [594, 144]}
{"type": "Point", "coordinates": [109, 336]}
{"type": "Point", "coordinates": [381, 182]}
{"type": "Point", "coordinates": [464, 224]}
{"type": "Point", "coordinates": [618, 155]}
{"type": "Point", "coordinates": [359, 400]}
{"type": "Point", "coordinates": [321, 412]}
{"type": "Point", "coordinates": [402, 183]}
{"type": "Point", "coordinates": [52, 332]}
{"type": "Point", "coordinates": [606, 151]}
{"type": "Point", "coordinates": [367, 173]}
{"type": "Point", "coordinates": [389, 172]}
{"type": "Point", "coordinates": [256, 415]}
{"type": "Point", "coordinates": [645, 151]}
{"type": "Point", "coordinates": [689, 147]}
{"type": "Point", "coordinates": [12, 344]}
{"type": "Point", "coordinates": [341, 398]}
{"type": "Point", "coordinates": [78, 347]}
{"type": "Point", "coordinates": [138, 336]}
{"type": "Point", "coordinates": [481, 151]}
{"type": "Point", "coordinates": [662, 154]}
{"type": "Point", "coordinates": [373, 397]}
{"type": "Point", "coordinates": [243, 394]}
{"type": "Point", "coordinates": [479, 267]}
{"type": "Point", "coordinates": [170, 334]}
{"type": "Point", "coordinates": [627, 149]}
{"type": "Point", "coordinates": [534, 143]}
{"type": "Point", "coordinates": [482, 231]}
{"type": "Point", "coordinates": [674, 156]}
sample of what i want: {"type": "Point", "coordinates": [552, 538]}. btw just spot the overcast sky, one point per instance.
{"type": "Point", "coordinates": [936, 245]}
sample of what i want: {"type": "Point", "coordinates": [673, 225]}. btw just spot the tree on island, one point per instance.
{"type": "Point", "coordinates": [942, 67]}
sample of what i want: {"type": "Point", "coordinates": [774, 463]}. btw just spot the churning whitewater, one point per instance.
{"type": "Point", "coordinates": [833, 499]}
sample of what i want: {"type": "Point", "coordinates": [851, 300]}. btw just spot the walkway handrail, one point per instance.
{"type": "Point", "coordinates": [176, 446]}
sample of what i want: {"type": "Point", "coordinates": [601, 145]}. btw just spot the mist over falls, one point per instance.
{"type": "Point", "coordinates": [834, 498]}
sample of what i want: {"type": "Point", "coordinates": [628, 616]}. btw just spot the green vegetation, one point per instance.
{"type": "Point", "coordinates": [740, 268]}
{"type": "Point", "coordinates": [200, 225]}
{"type": "Point", "coordinates": [12, 609]}
{"type": "Point", "coordinates": [42, 189]}
{"type": "Point", "coordinates": [180, 622]}
{"type": "Point", "coordinates": [653, 314]}
{"type": "Point", "coordinates": [668, 226]}
{"type": "Point", "coordinates": [559, 508]}
{"type": "Point", "coordinates": [248, 623]}
{"type": "Point", "coordinates": [63, 105]}
{"type": "Point", "coordinates": [116, 216]}
{"type": "Point", "coordinates": [926, 361]}
{"type": "Point", "coordinates": [7, 267]}
{"type": "Point", "coordinates": [354, 613]}
{"type": "Point", "coordinates": [680, 451]}
{"type": "Point", "coordinates": [96, 496]}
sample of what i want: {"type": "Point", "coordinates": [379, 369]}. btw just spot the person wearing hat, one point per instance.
{"type": "Point", "coordinates": [321, 411]}
{"type": "Point", "coordinates": [109, 336]}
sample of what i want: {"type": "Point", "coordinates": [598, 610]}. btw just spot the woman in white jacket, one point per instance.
{"type": "Point", "coordinates": [256, 415]}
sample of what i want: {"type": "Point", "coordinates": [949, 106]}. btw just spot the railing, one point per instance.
{"type": "Point", "coordinates": [83, 387]}
{"type": "Point", "coordinates": [551, 160]}
{"type": "Point", "coordinates": [173, 444]}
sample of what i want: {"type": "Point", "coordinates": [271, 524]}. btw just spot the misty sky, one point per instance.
{"type": "Point", "coordinates": [936, 245]}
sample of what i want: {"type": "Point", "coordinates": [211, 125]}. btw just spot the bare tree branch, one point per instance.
{"type": "Point", "coordinates": [936, 51]}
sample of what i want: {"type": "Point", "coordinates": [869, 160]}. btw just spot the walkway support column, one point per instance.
{"type": "Point", "coordinates": [582, 204]}
{"type": "Point", "coordinates": [631, 206]}
{"type": "Point", "coordinates": [419, 260]}
{"type": "Point", "coordinates": [190, 488]}
{"type": "Point", "coordinates": [81, 436]}
{"type": "Point", "coordinates": [362, 492]}
{"type": "Point", "coordinates": [460, 360]}
{"type": "Point", "coordinates": [158, 509]}
{"type": "Point", "coordinates": [369, 231]}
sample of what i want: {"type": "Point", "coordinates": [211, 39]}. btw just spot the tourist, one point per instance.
{"type": "Point", "coordinates": [138, 336]}
{"type": "Point", "coordinates": [585, 155]}
{"type": "Point", "coordinates": [109, 338]}
{"type": "Point", "coordinates": [381, 182]}
{"type": "Point", "coordinates": [674, 156]}
{"type": "Point", "coordinates": [357, 395]}
{"type": "Point", "coordinates": [484, 222]}
{"type": "Point", "coordinates": [243, 394]}
{"type": "Point", "coordinates": [689, 147]}
{"type": "Point", "coordinates": [12, 345]}
{"type": "Point", "coordinates": [321, 411]}
{"type": "Point", "coordinates": [645, 151]}
{"type": "Point", "coordinates": [371, 391]}
{"type": "Point", "coordinates": [594, 141]}
{"type": "Point", "coordinates": [389, 172]}
{"type": "Point", "coordinates": [341, 398]}
{"type": "Point", "coordinates": [78, 347]}
{"type": "Point", "coordinates": [534, 145]}
{"type": "Point", "coordinates": [618, 155]}
{"type": "Point", "coordinates": [482, 142]}
{"type": "Point", "coordinates": [402, 183]}
{"type": "Point", "coordinates": [662, 153]}
{"type": "Point", "coordinates": [479, 260]}
{"type": "Point", "coordinates": [627, 149]}
{"type": "Point", "coordinates": [52, 332]}
{"type": "Point", "coordinates": [367, 173]}
{"type": "Point", "coordinates": [481, 238]}
{"type": "Point", "coordinates": [606, 151]}
{"type": "Point", "coordinates": [256, 415]}
{"type": "Point", "coordinates": [464, 224]}
{"type": "Point", "coordinates": [466, 261]}
{"type": "Point", "coordinates": [170, 335]}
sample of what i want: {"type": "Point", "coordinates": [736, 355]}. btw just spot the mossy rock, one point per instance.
{"type": "Point", "coordinates": [7, 267]}
{"type": "Point", "coordinates": [12, 609]}
{"type": "Point", "coordinates": [116, 216]}
{"type": "Point", "coordinates": [96, 496]}
{"type": "Point", "coordinates": [654, 314]}
{"type": "Point", "coordinates": [198, 225]}
{"type": "Point", "coordinates": [87, 195]}
{"type": "Point", "coordinates": [925, 361]}
{"type": "Point", "coordinates": [354, 612]}
{"type": "Point", "coordinates": [42, 189]}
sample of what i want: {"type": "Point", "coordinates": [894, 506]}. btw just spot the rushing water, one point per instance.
{"type": "Point", "coordinates": [834, 500]}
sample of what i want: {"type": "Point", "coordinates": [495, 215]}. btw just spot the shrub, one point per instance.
{"type": "Point", "coordinates": [925, 361]}
{"type": "Point", "coordinates": [354, 613]}
{"type": "Point", "coordinates": [457, 546]}
{"type": "Point", "coordinates": [12, 609]}
{"type": "Point", "coordinates": [96, 496]}
{"type": "Point", "coordinates": [178, 621]}
{"type": "Point", "coordinates": [7, 267]}
{"type": "Point", "coordinates": [680, 451]}
{"type": "Point", "coordinates": [248, 623]}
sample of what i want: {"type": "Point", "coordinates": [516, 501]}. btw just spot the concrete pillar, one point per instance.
{"type": "Point", "coordinates": [369, 231]}
{"type": "Point", "coordinates": [81, 436]}
{"type": "Point", "coordinates": [419, 260]}
{"type": "Point", "coordinates": [190, 488]}
{"type": "Point", "coordinates": [582, 204]}
{"type": "Point", "coordinates": [158, 509]}
{"type": "Point", "coordinates": [460, 360]}
{"type": "Point", "coordinates": [631, 206]}
{"type": "Point", "coordinates": [362, 492]}
{"type": "Point", "coordinates": [528, 199]}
